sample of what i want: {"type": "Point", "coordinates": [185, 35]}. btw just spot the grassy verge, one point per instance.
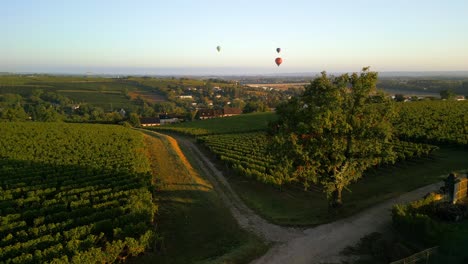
{"type": "Point", "coordinates": [195, 226]}
{"type": "Point", "coordinates": [292, 206]}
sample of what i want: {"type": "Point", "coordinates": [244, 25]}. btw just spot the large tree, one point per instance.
{"type": "Point", "coordinates": [447, 94]}
{"type": "Point", "coordinates": [336, 129]}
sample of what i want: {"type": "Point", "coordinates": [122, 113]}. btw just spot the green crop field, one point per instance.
{"type": "Point", "coordinates": [73, 193]}
{"type": "Point", "coordinates": [107, 100]}
{"type": "Point", "coordinates": [107, 93]}
{"type": "Point", "coordinates": [444, 122]}
{"type": "Point", "coordinates": [249, 166]}
{"type": "Point", "coordinates": [234, 124]}
{"type": "Point", "coordinates": [247, 154]}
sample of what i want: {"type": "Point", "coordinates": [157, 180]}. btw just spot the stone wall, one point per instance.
{"type": "Point", "coordinates": [456, 186]}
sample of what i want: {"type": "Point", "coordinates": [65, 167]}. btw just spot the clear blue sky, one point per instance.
{"type": "Point", "coordinates": [180, 36]}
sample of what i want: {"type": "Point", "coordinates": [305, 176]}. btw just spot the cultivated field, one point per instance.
{"type": "Point", "coordinates": [73, 193]}
{"type": "Point", "coordinates": [244, 157]}
{"type": "Point", "coordinates": [107, 93]}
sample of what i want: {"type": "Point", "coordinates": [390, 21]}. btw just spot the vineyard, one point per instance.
{"type": "Point", "coordinates": [236, 124]}
{"type": "Point", "coordinates": [247, 154]}
{"type": "Point", "coordinates": [73, 193]}
{"type": "Point", "coordinates": [443, 122]}
{"type": "Point", "coordinates": [233, 141]}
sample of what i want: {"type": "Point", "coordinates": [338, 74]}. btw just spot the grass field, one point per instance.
{"type": "Point", "coordinates": [234, 124]}
{"type": "Point", "coordinates": [149, 96]}
{"type": "Point", "coordinates": [195, 225]}
{"type": "Point", "coordinates": [293, 206]}
{"type": "Point", "coordinates": [107, 100]}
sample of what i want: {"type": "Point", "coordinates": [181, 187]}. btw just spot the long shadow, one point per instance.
{"type": "Point", "coordinates": [194, 226]}
{"type": "Point", "coordinates": [44, 206]}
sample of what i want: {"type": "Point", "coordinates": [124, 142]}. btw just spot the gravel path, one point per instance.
{"type": "Point", "coordinates": [245, 216]}
{"type": "Point", "coordinates": [321, 244]}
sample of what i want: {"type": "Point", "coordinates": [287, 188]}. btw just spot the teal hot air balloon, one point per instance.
{"type": "Point", "coordinates": [278, 50]}
{"type": "Point", "coordinates": [218, 48]}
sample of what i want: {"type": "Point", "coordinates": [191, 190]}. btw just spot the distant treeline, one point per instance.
{"type": "Point", "coordinates": [458, 86]}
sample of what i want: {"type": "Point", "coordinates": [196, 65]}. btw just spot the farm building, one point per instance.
{"type": "Point", "coordinates": [209, 113]}
{"type": "Point", "coordinates": [214, 113]}
{"type": "Point", "coordinates": [149, 121]}
{"type": "Point", "coordinates": [168, 119]}
{"type": "Point", "coordinates": [231, 111]}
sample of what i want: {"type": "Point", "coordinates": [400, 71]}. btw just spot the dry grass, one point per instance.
{"type": "Point", "coordinates": [195, 225]}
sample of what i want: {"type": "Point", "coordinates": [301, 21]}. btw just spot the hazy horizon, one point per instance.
{"type": "Point", "coordinates": [181, 36]}
{"type": "Point", "coordinates": [219, 72]}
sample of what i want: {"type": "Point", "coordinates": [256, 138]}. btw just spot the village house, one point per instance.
{"type": "Point", "coordinates": [185, 97]}
{"type": "Point", "coordinates": [231, 111]}
{"type": "Point", "coordinates": [168, 119]}
{"type": "Point", "coordinates": [209, 113]}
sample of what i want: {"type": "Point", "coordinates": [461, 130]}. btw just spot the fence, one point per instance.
{"type": "Point", "coordinates": [418, 257]}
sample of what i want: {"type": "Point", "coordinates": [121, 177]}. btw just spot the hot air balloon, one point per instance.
{"type": "Point", "coordinates": [218, 48]}
{"type": "Point", "coordinates": [278, 50]}
{"type": "Point", "coordinates": [278, 61]}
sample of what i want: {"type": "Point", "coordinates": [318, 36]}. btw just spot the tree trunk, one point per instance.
{"type": "Point", "coordinates": [336, 201]}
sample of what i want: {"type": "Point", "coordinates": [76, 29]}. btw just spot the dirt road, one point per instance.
{"type": "Point", "coordinates": [321, 244]}
{"type": "Point", "coordinates": [244, 215]}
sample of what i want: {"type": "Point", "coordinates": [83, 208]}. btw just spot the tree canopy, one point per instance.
{"type": "Point", "coordinates": [447, 94]}
{"type": "Point", "coordinates": [336, 129]}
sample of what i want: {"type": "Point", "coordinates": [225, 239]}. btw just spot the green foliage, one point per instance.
{"type": "Point", "coordinates": [247, 154]}
{"type": "Point", "coordinates": [73, 193]}
{"type": "Point", "coordinates": [433, 122]}
{"type": "Point", "coordinates": [16, 113]}
{"type": "Point", "coordinates": [334, 131]}
{"type": "Point", "coordinates": [447, 94]}
{"type": "Point", "coordinates": [134, 120]}
{"type": "Point", "coordinates": [376, 249]}
{"type": "Point", "coordinates": [234, 124]}
{"type": "Point", "coordinates": [425, 85]}
{"type": "Point", "coordinates": [421, 221]}
{"type": "Point", "coordinates": [427, 220]}
{"type": "Point", "coordinates": [254, 106]}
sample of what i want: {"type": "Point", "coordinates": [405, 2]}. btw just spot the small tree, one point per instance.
{"type": "Point", "coordinates": [399, 97]}
{"type": "Point", "coordinates": [447, 94]}
{"type": "Point", "coordinates": [334, 131]}
{"type": "Point", "coordinates": [134, 120]}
